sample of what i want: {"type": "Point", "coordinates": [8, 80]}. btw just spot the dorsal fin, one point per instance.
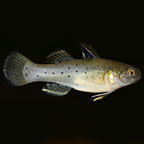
{"type": "Point", "coordinates": [58, 56]}
{"type": "Point", "coordinates": [88, 51]}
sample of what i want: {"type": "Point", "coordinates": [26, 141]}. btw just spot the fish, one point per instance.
{"type": "Point", "coordinates": [62, 72]}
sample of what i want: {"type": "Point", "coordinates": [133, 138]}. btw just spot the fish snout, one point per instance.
{"type": "Point", "coordinates": [138, 74]}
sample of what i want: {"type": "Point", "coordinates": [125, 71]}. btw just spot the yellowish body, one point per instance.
{"type": "Point", "coordinates": [90, 74]}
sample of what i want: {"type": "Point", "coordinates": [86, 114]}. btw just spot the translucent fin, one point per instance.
{"type": "Point", "coordinates": [88, 51]}
{"type": "Point", "coordinates": [13, 68]}
{"type": "Point", "coordinates": [58, 56]}
{"type": "Point", "coordinates": [56, 89]}
{"type": "Point", "coordinates": [99, 96]}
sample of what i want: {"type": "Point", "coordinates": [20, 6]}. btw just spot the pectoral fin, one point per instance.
{"type": "Point", "coordinates": [56, 89]}
{"type": "Point", "coordinates": [99, 96]}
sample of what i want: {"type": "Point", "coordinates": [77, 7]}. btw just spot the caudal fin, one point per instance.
{"type": "Point", "coordinates": [13, 68]}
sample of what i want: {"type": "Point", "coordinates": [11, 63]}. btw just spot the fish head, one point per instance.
{"type": "Point", "coordinates": [129, 76]}
{"type": "Point", "coordinates": [121, 76]}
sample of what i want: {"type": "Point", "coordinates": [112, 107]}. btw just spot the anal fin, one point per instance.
{"type": "Point", "coordinates": [56, 89]}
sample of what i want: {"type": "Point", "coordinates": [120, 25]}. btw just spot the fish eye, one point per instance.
{"type": "Point", "coordinates": [131, 72]}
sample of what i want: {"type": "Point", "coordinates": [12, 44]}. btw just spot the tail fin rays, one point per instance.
{"type": "Point", "coordinates": [13, 68]}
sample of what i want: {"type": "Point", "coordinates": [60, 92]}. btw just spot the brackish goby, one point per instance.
{"type": "Point", "coordinates": [90, 74]}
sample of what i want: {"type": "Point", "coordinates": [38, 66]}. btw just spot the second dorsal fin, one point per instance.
{"type": "Point", "coordinates": [58, 56]}
{"type": "Point", "coordinates": [88, 51]}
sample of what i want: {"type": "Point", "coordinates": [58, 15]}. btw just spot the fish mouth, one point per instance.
{"type": "Point", "coordinates": [136, 79]}
{"type": "Point", "coordinates": [139, 74]}
{"type": "Point", "coordinates": [132, 80]}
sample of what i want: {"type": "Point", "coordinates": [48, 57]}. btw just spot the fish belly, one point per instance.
{"type": "Point", "coordinates": [89, 85]}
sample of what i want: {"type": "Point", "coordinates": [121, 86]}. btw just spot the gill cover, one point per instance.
{"type": "Point", "coordinates": [110, 77]}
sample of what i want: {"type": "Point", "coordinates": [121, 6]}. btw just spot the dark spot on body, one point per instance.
{"type": "Point", "coordinates": [45, 72]}
{"type": "Point", "coordinates": [86, 68]}
{"type": "Point", "coordinates": [85, 72]}
{"type": "Point", "coordinates": [76, 65]}
{"type": "Point", "coordinates": [53, 73]}
{"type": "Point", "coordinates": [76, 71]}
{"type": "Point", "coordinates": [37, 75]}
{"type": "Point", "coordinates": [61, 72]}
{"type": "Point", "coordinates": [26, 74]}
{"type": "Point", "coordinates": [68, 75]}
{"type": "Point", "coordinates": [68, 67]}
{"type": "Point", "coordinates": [76, 84]}
{"type": "Point", "coordinates": [26, 68]}
{"type": "Point", "coordinates": [92, 77]}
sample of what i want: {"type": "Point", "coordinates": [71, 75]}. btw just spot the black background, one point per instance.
{"type": "Point", "coordinates": [115, 30]}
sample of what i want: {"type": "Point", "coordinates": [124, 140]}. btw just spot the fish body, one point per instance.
{"type": "Point", "coordinates": [85, 75]}
{"type": "Point", "coordinates": [90, 74]}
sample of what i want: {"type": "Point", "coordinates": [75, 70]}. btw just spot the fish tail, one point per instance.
{"type": "Point", "coordinates": [13, 68]}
